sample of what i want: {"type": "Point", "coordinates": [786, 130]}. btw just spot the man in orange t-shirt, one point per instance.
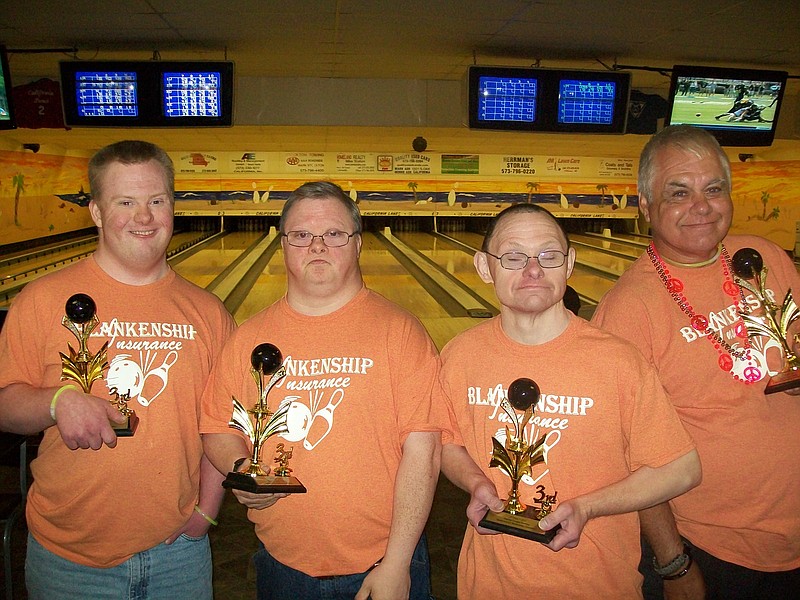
{"type": "Point", "coordinates": [106, 515]}
{"type": "Point", "coordinates": [364, 439]}
{"type": "Point", "coordinates": [680, 306]}
{"type": "Point", "coordinates": [612, 442]}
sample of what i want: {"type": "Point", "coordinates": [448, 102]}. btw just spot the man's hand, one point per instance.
{"type": "Point", "coordinates": [83, 420]}
{"type": "Point", "coordinates": [257, 501]}
{"type": "Point", "coordinates": [572, 519]}
{"type": "Point", "coordinates": [386, 582]}
{"type": "Point", "coordinates": [196, 527]}
{"type": "Point", "coordinates": [483, 498]}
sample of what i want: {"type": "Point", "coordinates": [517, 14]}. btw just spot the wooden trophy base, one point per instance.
{"type": "Point", "coordinates": [524, 525]}
{"type": "Point", "coordinates": [785, 380]}
{"type": "Point", "coordinates": [264, 484]}
{"type": "Point", "coordinates": [128, 428]}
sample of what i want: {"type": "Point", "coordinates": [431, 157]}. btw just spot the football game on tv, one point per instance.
{"type": "Point", "coordinates": [740, 107]}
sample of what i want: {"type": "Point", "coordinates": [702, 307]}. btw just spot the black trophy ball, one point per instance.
{"type": "Point", "coordinates": [747, 263]}
{"type": "Point", "coordinates": [266, 358]}
{"type": "Point", "coordinates": [80, 308]}
{"type": "Point", "coordinates": [523, 393]}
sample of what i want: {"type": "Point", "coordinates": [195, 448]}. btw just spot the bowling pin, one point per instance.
{"type": "Point", "coordinates": [322, 422]}
{"type": "Point", "coordinates": [563, 198]}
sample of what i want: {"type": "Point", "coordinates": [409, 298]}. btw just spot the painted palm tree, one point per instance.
{"type": "Point", "coordinates": [413, 187]}
{"type": "Point", "coordinates": [532, 188]}
{"type": "Point", "coordinates": [18, 181]}
{"type": "Point", "coordinates": [602, 187]}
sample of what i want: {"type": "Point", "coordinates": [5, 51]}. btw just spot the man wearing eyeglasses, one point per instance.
{"type": "Point", "coordinates": [364, 437]}
{"type": "Point", "coordinates": [612, 442]}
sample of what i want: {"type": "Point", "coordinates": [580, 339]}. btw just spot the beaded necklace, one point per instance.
{"type": "Point", "coordinates": [700, 323]}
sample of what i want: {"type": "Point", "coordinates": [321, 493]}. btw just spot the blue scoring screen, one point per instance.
{"type": "Point", "coordinates": [190, 94]}
{"type": "Point", "coordinates": [106, 94]}
{"type": "Point", "coordinates": [581, 101]}
{"type": "Point", "coordinates": [507, 99]}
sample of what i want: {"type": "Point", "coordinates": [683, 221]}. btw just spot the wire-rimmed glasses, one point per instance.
{"type": "Point", "coordinates": [332, 239]}
{"type": "Point", "coordinates": [547, 259]}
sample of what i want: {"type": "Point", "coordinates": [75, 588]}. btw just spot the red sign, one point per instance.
{"type": "Point", "coordinates": [38, 105]}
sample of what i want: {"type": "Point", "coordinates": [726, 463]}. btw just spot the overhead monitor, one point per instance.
{"type": "Point", "coordinates": [533, 99]}
{"type": "Point", "coordinates": [504, 100]}
{"type": "Point", "coordinates": [591, 101]}
{"type": "Point", "coordinates": [147, 93]}
{"type": "Point", "coordinates": [740, 107]}
{"type": "Point", "coordinates": [196, 94]}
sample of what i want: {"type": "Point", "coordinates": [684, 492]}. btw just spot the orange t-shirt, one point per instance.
{"type": "Point", "coordinates": [99, 507]}
{"type": "Point", "coordinates": [604, 415]}
{"type": "Point", "coordinates": [747, 509]}
{"type": "Point", "coordinates": [359, 381]}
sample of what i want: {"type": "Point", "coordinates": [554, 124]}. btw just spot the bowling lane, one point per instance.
{"type": "Point", "coordinates": [629, 239]}
{"type": "Point", "coordinates": [628, 250]}
{"type": "Point", "coordinates": [11, 270]}
{"type": "Point", "coordinates": [205, 265]}
{"type": "Point", "coordinates": [589, 285]}
{"type": "Point", "coordinates": [452, 259]}
{"type": "Point", "coordinates": [602, 261]}
{"type": "Point", "coordinates": [384, 274]}
{"type": "Point", "coordinates": [268, 289]}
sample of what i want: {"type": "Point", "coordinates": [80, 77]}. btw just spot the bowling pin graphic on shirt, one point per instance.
{"type": "Point", "coordinates": [313, 423]}
{"type": "Point", "coordinates": [322, 423]}
{"type": "Point", "coordinates": [125, 374]}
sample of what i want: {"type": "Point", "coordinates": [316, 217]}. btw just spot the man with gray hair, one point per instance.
{"type": "Point", "coordinates": [736, 535]}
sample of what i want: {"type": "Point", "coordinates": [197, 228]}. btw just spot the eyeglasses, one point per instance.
{"type": "Point", "coordinates": [331, 239]}
{"type": "Point", "coordinates": [514, 261]}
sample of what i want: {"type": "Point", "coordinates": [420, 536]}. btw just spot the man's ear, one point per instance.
{"type": "Point", "coordinates": [570, 261]}
{"type": "Point", "coordinates": [95, 213]}
{"type": "Point", "coordinates": [644, 207]}
{"type": "Point", "coordinates": [481, 262]}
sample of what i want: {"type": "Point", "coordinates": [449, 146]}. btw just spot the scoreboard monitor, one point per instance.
{"type": "Point", "coordinates": [6, 104]}
{"type": "Point", "coordinates": [533, 99]}
{"type": "Point", "coordinates": [147, 93]}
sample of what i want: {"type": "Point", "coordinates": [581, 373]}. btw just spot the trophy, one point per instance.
{"type": "Point", "coordinates": [776, 320]}
{"type": "Point", "coordinates": [515, 459]}
{"type": "Point", "coordinates": [259, 424]}
{"type": "Point", "coordinates": [84, 367]}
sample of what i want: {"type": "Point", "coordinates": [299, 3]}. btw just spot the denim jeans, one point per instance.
{"type": "Point", "coordinates": [276, 581]}
{"type": "Point", "coordinates": [180, 571]}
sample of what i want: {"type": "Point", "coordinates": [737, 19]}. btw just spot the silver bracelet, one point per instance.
{"type": "Point", "coordinates": [677, 564]}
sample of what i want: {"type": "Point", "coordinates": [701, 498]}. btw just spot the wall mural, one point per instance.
{"type": "Point", "coordinates": [43, 194]}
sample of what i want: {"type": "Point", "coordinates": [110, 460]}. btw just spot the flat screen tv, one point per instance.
{"type": "Point", "coordinates": [740, 107]}
{"type": "Point", "coordinates": [6, 107]}
{"type": "Point", "coordinates": [533, 99]}
{"type": "Point", "coordinates": [147, 93]}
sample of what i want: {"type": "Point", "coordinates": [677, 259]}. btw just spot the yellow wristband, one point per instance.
{"type": "Point", "coordinates": [60, 391]}
{"type": "Point", "coordinates": [204, 515]}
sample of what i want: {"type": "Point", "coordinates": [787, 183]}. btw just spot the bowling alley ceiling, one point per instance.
{"type": "Point", "coordinates": [416, 39]}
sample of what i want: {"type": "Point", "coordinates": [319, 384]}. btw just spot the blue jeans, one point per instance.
{"type": "Point", "coordinates": [180, 571]}
{"type": "Point", "coordinates": [276, 581]}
